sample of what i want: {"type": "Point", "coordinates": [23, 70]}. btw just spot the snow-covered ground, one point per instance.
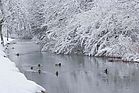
{"type": "Point", "coordinates": [11, 80]}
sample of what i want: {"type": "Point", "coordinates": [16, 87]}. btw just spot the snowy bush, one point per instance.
{"type": "Point", "coordinates": [103, 29]}
{"type": "Point", "coordinates": [89, 27]}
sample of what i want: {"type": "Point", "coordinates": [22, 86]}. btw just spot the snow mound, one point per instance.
{"type": "Point", "coordinates": [12, 81]}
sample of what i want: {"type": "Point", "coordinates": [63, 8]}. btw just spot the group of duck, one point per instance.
{"type": "Point", "coordinates": [57, 65]}
{"type": "Point", "coordinates": [39, 70]}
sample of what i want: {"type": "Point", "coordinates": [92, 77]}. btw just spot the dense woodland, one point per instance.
{"type": "Point", "coordinates": [88, 27]}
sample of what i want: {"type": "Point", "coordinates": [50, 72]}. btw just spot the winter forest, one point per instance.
{"type": "Point", "coordinates": [91, 28]}
{"type": "Point", "coordinates": [88, 27]}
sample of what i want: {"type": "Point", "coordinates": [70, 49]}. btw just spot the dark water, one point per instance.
{"type": "Point", "coordinates": [77, 74]}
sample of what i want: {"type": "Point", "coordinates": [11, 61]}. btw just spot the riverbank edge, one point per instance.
{"type": "Point", "coordinates": [110, 58]}
{"type": "Point", "coordinates": [2, 48]}
{"type": "Point", "coordinates": [117, 59]}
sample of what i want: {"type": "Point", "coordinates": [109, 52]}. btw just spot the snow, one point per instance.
{"type": "Point", "coordinates": [106, 29]}
{"type": "Point", "coordinates": [88, 27]}
{"type": "Point", "coordinates": [11, 80]}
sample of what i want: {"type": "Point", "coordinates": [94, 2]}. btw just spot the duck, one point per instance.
{"type": "Point", "coordinates": [111, 60]}
{"type": "Point", "coordinates": [31, 68]}
{"type": "Point", "coordinates": [106, 71]}
{"type": "Point", "coordinates": [56, 64]}
{"type": "Point", "coordinates": [39, 65]}
{"type": "Point", "coordinates": [57, 73]}
{"type": "Point", "coordinates": [17, 54]}
{"type": "Point", "coordinates": [39, 71]}
{"type": "Point", "coordinates": [59, 64]}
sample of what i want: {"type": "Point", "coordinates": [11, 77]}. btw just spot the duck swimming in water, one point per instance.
{"type": "Point", "coordinates": [106, 71]}
{"type": "Point", "coordinates": [31, 68]}
{"type": "Point", "coordinates": [59, 64]}
{"type": "Point", "coordinates": [39, 71]}
{"type": "Point", "coordinates": [57, 73]}
{"type": "Point", "coordinates": [39, 65]}
{"type": "Point", "coordinates": [17, 54]}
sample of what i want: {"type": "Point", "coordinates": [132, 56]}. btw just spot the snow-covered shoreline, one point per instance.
{"type": "Point", "coordinates": [11, 80]}
{"type": "Point", "coordinates": [87, 27]}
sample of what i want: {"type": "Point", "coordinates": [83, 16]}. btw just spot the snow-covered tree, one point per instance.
{"type": "Point", "coordinates": [92, 27]}
{"type": "Point", "coordinates": [89, 27]}
{"type": "Point", "coordinates": [36, 16]}
{"type": "Point", "coordinates": [16, 22]}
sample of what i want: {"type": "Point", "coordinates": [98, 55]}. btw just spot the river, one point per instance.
{"type": "Point", "coordinates": [75, 74]}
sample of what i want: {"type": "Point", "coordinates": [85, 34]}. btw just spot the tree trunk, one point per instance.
{"type": "Point", "coordinates": [1, 21]}
{"type": "Point", "coordinates": [1, 36]}
{"type": "Point", "coordinates": [7, 35]}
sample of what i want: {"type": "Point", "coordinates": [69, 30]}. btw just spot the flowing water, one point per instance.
{"type": "Point", "coordinates": [76, 74]}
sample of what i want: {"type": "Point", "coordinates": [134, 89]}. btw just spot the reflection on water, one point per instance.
{"type": "Point", "coordinates": [77, 74]}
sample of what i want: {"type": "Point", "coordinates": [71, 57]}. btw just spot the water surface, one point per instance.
{"type": "Point", "coordinates": [77, 74]}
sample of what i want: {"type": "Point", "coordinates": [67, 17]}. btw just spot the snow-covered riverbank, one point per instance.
{"type": "Point", "coordinates": [88, 27]}
{"type": "Point", "coordinates": [11, 80]}
{"type": "Point", "coordinates": [91, 27]}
